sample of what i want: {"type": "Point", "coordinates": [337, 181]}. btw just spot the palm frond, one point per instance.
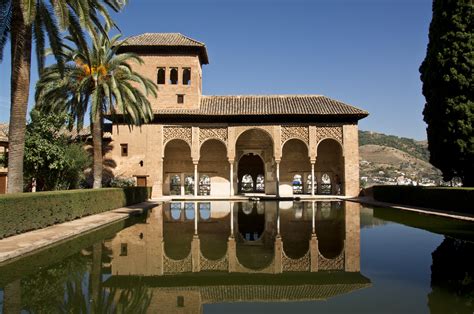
{"type": "Point", "coordinates": [6, 14]}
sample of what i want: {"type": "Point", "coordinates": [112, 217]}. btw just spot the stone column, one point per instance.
{"type": "Point", "coordinates": [195, 219]}
{"type": "Point", "coordinates": [278, 255]}
{"type": "Point", "coordinates": [196, 254]}
{"type": "Point", "coordinates": [313, 243]}
{"type": "Point", "coordinates": [232, 255]}
{"type": "Point", "coordinates": [231, 219]}
{"type": "Point", "coordinates": [352, 240]}
{"type": "Point", "coordinates": [351, 160]}
{"type": "Point", "coordinates": [196, 179]}
{"type": "Point", "coordinates": [231, 177]}
{"type": "Point", "coordinates": [277, 178]}
{"type": "Point", "coordinates": [312, 177]}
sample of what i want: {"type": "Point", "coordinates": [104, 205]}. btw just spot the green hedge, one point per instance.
{"type": "Point", "coordinates": [440, 198]}
{"type": "Point", "coordinates": [29, 211]}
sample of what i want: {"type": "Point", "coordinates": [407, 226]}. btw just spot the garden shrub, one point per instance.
{"type": "Point", "coordinates": [440, 198]}
{"type": "Point", "coordinates": [29, 211]}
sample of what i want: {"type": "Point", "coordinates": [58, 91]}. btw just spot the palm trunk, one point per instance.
{"type": "Point", "coordinates": [97, 146]}
{"type": "Point", "coordinates": [20, 85]}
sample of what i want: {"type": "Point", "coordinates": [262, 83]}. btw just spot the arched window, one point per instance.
{"type": "Point", "coordinates": [160, 77]}
{"type": "Point", "coordinates": [175, 209]}
{"type": "Point", "coordinates": [205, 185]}
{"type": "Point", "coordinates": [309, 182]}
{"type": "Point", "coordinates": [175, 185]}
{"type": "Point", "coordinates": [204, 211]}
{"type": "Point", "coordinates": [174, 76]}
{"type": "Point", "coordinates": [189, 185]}
{"type": "Point", "coordinates": [326, 184]}
{"type": "Point", "coordinates": [247, 183]}
{"type": "Point", "coordinates": [260, 183]}
{"type": "Point", "coordinates": [186, 76]}
{"type": "Point", "coordinates": [297, 184]}
{"type": "Point", "coordinates": [189, 210]}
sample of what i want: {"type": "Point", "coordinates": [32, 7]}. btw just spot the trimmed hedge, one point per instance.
{"type": "Point", "coordinates": [29, 211]}
{"type": "Point", "coordinates": [440, 198]}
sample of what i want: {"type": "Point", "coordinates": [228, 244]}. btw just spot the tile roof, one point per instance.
{"type": "Point", "coordinates": [276, 105]}
{"type": "Point", "coordinates": [162, 39]}
{"type": "Point", "coordinates": [165, 41]}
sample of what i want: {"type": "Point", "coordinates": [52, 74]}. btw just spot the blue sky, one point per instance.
{"type": "Point", "coordinates": [363, 52]}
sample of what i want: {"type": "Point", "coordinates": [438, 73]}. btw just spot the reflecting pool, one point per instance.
{"type": "Point", "coordinates": [253, 257]}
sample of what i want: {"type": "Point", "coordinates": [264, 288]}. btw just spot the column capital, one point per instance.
{"type": "Point", "coordinates": [312, 161]}
{"type": "Point", "coordinates": [231, 161]}
{"type": "Point", "coordinates": [277, 161]}
{"type": "Point", "coordinates": [195, 162]}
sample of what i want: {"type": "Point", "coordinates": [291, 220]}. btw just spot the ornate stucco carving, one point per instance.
{"type": "Point", "coordinates": [172, 266]}
{"type": "Point", "coordinates": [294, 131]}
{"type": "Point", "coordinates": [331, 264]}
{"type": "Point", "coordinates": [333, 132]}
{"type": "Point", "coordinates": [220, 264]}
{"type": "Point", "coordinates": [301, 264]}
{"type": "Point", "coordinates": [213, 133]}
{"type": "Point", "coordinates": [177, 132]}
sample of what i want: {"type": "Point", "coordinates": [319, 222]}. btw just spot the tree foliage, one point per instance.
{"type": "Point", "coordinates": [98, 80]}
{"type": "Point", "coordinates": [51, 157]}
{"type": "Point", "coordinates": [447, 76]}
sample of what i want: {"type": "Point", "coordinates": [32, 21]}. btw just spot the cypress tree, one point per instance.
{"type": "Point", "coordinates": [447, 76]}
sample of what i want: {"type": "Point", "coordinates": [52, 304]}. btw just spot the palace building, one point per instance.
{"type": "Point", "coordinates": [227, 145]}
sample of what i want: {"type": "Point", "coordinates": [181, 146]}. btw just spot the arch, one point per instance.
{"type": "Point", "coordinates": [177, 237]}
{"type": "Point", "coordinates": [212, 139]}
{"type": "Point", "coordinates": [294, 167]}
{"type": "Point", "coordinates": [254, 151]}
{"type": "Point", "coordinates": [251, 168]}
{"type": "Point", "coordinates": [186, 76]}
{"type": "Point", "coordinates": [214, 231]}
{"type": "Point", "coordinates": [329, 163]}
{"type": "Point", "coordinates": [330, 229]}
{"type": "Point", "coordinates": [161, 76]}
{"type": "Point", "coordinates": [174, 76]}
{"type": "Point", "coordinates": [341, 146]}
{"type": "Point", "coordinates": [177, 163]}
{"type": "Point", "coordinates": [295, 230]}
{"type": "Point", "coordinates": [239, 133]}
{"type": "Point", "coordinates": [213, 168]}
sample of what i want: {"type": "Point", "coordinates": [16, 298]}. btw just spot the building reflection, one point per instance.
{"type": "Point", "coordinates": [186, 252]}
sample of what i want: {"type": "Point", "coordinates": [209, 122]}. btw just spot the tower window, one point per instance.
{"type": "Point", "coordinates": [160, 78]}
{"type": "Point", "coordinates": [123, 249]}
{"type": "Point", "coordinates": [174, 76]}
{"type": "Point", "coordinates": [124, 150]}
{"type": "Point", "coordinates": [187, 76]}
{"type": "Point", "coordinates": [180, 99]}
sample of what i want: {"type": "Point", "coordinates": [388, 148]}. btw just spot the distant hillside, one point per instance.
{"type": "Point", "coordinates": [388, 159]}
{"type": "Point", "coordinates": [418, 149]}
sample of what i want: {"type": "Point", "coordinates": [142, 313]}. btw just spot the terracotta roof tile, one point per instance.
{"type": "Point", "coordinates": [268, 105]}
{"type": "Point", "coordinates": [162, 39]}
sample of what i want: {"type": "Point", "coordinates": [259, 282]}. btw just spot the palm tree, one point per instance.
{"type": "Point", "coordinates": [97, 79]}
{"type": "Point", "coordinates": [28, 19]}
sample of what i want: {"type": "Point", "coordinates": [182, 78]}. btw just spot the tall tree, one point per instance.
{"type": "Point", "coordinates": [100, 81]}
{"type": "Point", "coordinates": [23, 20]}
{"type": "Point", "coordinates": [447, 75]}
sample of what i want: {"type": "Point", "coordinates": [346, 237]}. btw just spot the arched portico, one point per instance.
{"type": "Point", "coordinates": [254, 149]}
{"type": "Point", "coordinates": [295, 168]}
{"type": "Point", "coordinates": [329, 167]}
{"type": "Point", "coordinates": [178, 178]}
{"type": "Point", "coordinates": [213, 169]}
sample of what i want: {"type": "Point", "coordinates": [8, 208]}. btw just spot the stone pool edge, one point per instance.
{"type": "Point", "coordinates": [30, 242]}
{"type": "Point", "coordinates": [428, 211]}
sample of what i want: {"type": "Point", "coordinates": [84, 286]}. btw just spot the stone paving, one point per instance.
{"type": "Point", "coordinates": [29, 242]}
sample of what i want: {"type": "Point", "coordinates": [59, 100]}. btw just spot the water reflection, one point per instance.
{"type": "Point", "coordinates": [188, 254]}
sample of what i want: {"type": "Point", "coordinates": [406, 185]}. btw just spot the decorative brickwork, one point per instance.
{"type": "Point", "coordinates": [299, 132]}
{"type": "Point", "coordinates": [300, 264]}
{"type": "Point", "coordinates": [220, 264]}
{"type": "Point", "coordinates": [331, 264]}
{"type": "Point", "coordinates": [177, 132]}
{"type": "Point", "coordinates": [212, 133]}
{"type": "Point", "coordinates": [333, 132]}
{"type": "Point", "coordinates": [171, 266]}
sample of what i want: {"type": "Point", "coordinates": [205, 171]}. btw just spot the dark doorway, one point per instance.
{"type": "Point", "coordinates": [251, 174]}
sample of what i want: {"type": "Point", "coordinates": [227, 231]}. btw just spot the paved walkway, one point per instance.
{"type": "Point", "coordinates": [428, 211]}
{"type": "Point", "coordinates": [15, 246]}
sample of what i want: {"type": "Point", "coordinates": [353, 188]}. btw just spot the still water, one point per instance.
{"type": "Point", "coordinates": [253, 257]}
